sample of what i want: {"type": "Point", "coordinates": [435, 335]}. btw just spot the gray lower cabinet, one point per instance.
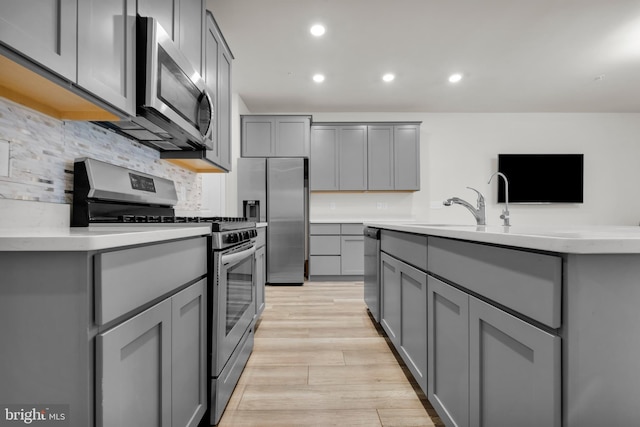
{"type": "Point", "coordinates": [336, 251]}
{"type": "Point", "coordinates": [261, 271]}
{"type": "Point", "coordinates": [157, 360]}
{"type": "Point", "coordinates": [448, 355]}
{"type": "Point", "coordinates": [106, 41]}
{"type": "Point", "coordinates": [352, 255]}
{"type": "Point", "coordinates": [514, 370]}
{"type": "Point", "coordinates": [404, 313]}
{"type": "Point", "coordinates": [134, 365]}
{"type": "Point", "coordinates": [45, 32]}
{"type": "Point", "coordinates": [118, 335]}
{"type": "Point", "coordinates": [488, 367]}
{"type": "Point", "coordinates": [275, 136]}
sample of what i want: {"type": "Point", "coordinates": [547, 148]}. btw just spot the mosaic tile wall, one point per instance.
{"type": "Point", "coordinates": [42, 150]}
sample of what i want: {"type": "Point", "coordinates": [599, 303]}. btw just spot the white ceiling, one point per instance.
{"type": "Point", "coordinates": [516, 55]}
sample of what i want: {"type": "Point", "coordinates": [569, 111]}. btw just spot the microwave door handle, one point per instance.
{"type": "Point", "coordinates": [211, 116]}
{"type": "Point", "coordinates": [234, 258]}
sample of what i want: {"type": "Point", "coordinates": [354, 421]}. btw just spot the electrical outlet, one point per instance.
{"type": "Point", "coordinates": [4, 158]}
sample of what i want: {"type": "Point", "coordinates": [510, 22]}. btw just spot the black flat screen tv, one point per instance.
{"type": "Point", "coordinates": [542, 178]}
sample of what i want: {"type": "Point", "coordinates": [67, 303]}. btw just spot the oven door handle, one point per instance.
{"type": "Point", "coordinates": [234, 258]}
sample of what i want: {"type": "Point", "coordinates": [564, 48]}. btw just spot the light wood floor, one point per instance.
{"type": "Point", "coordinates": [319, 360]}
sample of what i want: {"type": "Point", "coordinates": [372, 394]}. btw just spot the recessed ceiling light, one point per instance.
{"type": "Point", "coordinates": [388, 77]}
{"type": "Point", "coordinates": [318, 78]}
{"type": "Point", "coordinates": [455, 78]}
{"type": "Point", "coordinates": [317, 30]}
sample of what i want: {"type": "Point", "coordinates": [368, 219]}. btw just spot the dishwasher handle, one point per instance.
{"type": "Point", "coordinates": [372, 233]}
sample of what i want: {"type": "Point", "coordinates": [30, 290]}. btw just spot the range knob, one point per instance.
{"type": "Point", "coordinates": [233, 238]}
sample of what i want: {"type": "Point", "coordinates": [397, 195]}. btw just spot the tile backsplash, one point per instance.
{"type": "Point", "coordinates": [42, 150]}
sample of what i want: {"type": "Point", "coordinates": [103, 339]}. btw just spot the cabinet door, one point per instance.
{"type": "Point", "coordinates": [413, 335]}
{"type": "Point", "coordinates": [134, 371]}
{"type": "Point", "coordinates": [514, 370]}
{"type": "Point", "coordinates": [106, 41]}
{"type": "Point", "coordinates": [406, 162]}
{"type": "Point", "coordinates": [323, 161]}
{"type": "Point", "coordinates": [223, 114]}
{"type": "Point", "coordinates": [165, 12]}
{"type": "Point", "coordinates": [352, 254]}
{"type": "Point", "coordinates": [258, 136]}
{"type": "Point", "coordinates": [44, 31]}
{"type": "Point", "coordinates": [292, 136]}
{"type": "Point", "coordinates": [380, 170]}
{"type": "Point", "coordinates": [390, 293]}
{"type": "Point", "coordinates": [188, 355]}
{"type": "Point", "coordinates": [191, 27]}
{"type": "Point", "coordinates": [261, 277]}
{"type": "Point", "coordinates": [448, 352]}
{"type": "Point", "coordinates": [217, 74]}
{"type": "Point", "coordinates": [353, 158]}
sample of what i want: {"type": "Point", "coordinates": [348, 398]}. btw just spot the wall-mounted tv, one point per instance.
{"type": "Point", "coordinates": [542, 178]}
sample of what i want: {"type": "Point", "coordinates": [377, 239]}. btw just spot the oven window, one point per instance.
{"type": "Point", "coordinates": [239, 291]}
{"type": "Point", "coordinates": [176, 89]}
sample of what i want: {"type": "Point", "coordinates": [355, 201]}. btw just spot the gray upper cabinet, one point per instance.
{"type": "Point", "coordinates": [217, 74]}
{"type": "Point", "coordinates": [165, 12]}
{"type": "Point", "coordinates": [45, 32]}
{"type": "Point", "coordinates": [338, 158]}
{"type": "Point", "coordinates": [406, 152]}
{"type": "Point", "coordinates": [184, 21]}
{"type": "Point", "coordinates": [276, 136]}
{"type": "Point", "coordinates": [106, 40]}
{"type": "Point", "coordinates": [323, 161]}
{"type": "Point", "coordinates": [352, 145]}
{"type": "Point", "coordinates": [378, 157]}
{"type": "Point", "coordinates": [191, 28]}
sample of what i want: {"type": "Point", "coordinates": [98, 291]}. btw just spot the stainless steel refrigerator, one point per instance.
{"type": "Point", "coordinates": [276, 191]}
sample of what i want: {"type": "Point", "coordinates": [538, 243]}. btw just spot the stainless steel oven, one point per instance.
{"type": "Point", "coordinates": [232, 319]}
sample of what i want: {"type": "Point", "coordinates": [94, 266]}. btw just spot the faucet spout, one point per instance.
{"type": "Point", "coordinates": [505, 211]}
{"type": "Point", "coordinates": [478, 213]}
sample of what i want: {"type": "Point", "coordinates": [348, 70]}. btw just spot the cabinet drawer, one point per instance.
{"type": "Point", "coordinates": [324, 245]}
{"type": "Point", "coordinates": [352, 229]}
{"type": "Point", "coordinates": [324, 265]}
{"type": "Point", "coordinates": [410, 248]}
{"type": "Point", "coordinates": [527, 282]}
{"type": "Point", "coordinates": [130, 278]}
{"type": "Point", "coordinates": [324, 229]}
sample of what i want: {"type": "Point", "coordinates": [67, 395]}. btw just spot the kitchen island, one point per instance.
{"type": "Point", "coordinates": [522, 326]}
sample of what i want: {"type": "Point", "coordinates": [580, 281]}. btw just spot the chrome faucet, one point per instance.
{"type": "Point", "coordinates": [505, 211]}
{"type": "Point", "coordinates": [478, 214]}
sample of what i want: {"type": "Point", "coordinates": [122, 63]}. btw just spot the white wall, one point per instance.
{"type": "Point", "coordinates": [460, 150]}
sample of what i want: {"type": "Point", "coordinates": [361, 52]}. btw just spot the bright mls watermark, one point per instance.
{"type": "Point", "coordinates": [34, 415]}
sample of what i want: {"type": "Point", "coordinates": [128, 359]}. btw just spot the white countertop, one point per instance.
{"type": "Point", "coordinates": [90, 239]}
{"type": "Point", "coordinates": [355, 220]}
{"type": "Point", "coordinates": [563, 239]}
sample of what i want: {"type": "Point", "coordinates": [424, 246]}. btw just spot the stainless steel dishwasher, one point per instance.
{"type": "Point", "coordinates": [372, 271]}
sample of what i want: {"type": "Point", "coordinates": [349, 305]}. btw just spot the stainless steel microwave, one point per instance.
{"type": "Point", "coordinates": [174, 110]}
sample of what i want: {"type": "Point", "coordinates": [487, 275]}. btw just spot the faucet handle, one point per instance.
{"type": "Point", "coordinates": [480, 196]}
